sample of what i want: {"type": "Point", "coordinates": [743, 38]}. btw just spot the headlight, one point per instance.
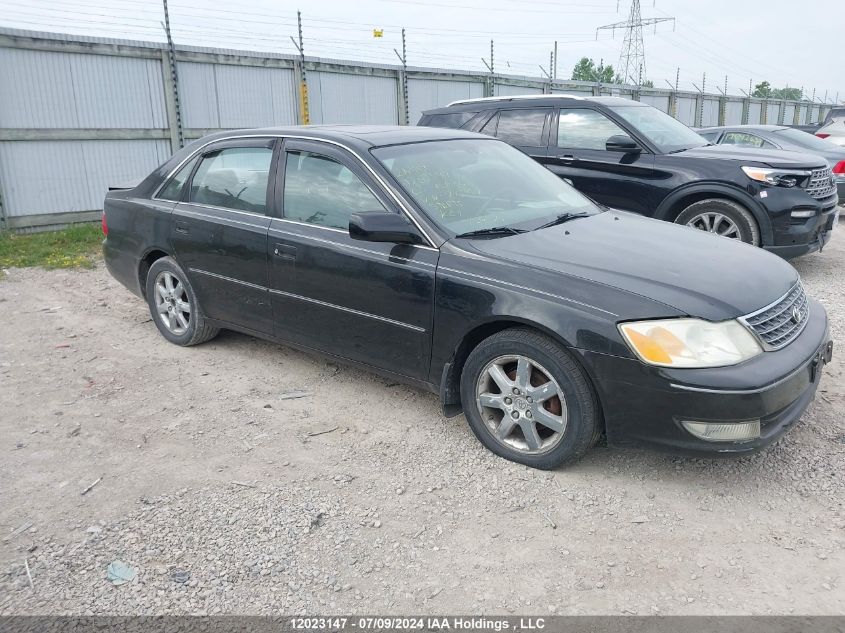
{"type": "Point", "coordinates": [690, 342]}
{"type": "Point", "coordinates": [776, 177]}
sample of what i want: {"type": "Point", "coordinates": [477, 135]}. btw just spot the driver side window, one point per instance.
{"type": "Point", "coordinates": [579, 128]}
{"type": "Point", "coordinates": [319, 190]}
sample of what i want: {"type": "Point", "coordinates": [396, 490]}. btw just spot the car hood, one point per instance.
{"type": "Point", "coordinates": [694, 272]}
{"type": "Point", "coordinates": [773, 158]}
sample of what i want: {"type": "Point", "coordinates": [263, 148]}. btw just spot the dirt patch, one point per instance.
{"type": "Point", "coordinates": [226, 496]}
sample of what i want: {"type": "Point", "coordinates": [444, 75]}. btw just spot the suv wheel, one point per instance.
{"type": "Point", "coordinates": [722, 217]}
{"type": "Point", "coordinates": [174, 306]}
{"type": "Point", "coordinates": [528, 400]}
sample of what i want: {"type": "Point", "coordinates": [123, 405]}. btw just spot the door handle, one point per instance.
{"type": "Point", "coordinates": [566, 159]}
{"type": "Point", "coordinates": [283, 251]}
{"type": "Point", "coordinates": [181, 227]}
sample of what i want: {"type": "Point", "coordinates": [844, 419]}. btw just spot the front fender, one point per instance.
{"type": "Point", "coordinates": [673, 201]}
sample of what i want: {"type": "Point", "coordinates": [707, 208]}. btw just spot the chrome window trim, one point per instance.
{"type": "Point", "coordinates": [250, 214]}
{"type": "Point", "coordinates": [372, 172]}
{"type": "Point", "coordinates": [416, 328]}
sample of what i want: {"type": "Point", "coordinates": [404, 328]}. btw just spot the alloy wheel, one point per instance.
{"type": "Point", "coordinates": [172, 303]}
{"type": "Point", "coordinates": [521, 404]}
{"type": "Point", "coordinates": [714, 222]}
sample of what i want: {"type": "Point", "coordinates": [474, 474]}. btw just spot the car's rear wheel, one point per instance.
{"type": "Point", "coordinates": [174, 305]}
{"type": "Point", "coordinates": [722, 217]}
{"type": "Point", "coordinates": [528, 400]}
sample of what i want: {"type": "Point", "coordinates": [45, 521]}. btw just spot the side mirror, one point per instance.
{"type": "Point", "coordinates": [380, 226]}
{"type": "Point", "coordinates": [622, 143]}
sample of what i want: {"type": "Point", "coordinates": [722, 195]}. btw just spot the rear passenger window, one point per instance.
{"type": "Point", "coordinates": [744, 139]}
{"type": "Point", "coordinates": [522, 127]}
{"type": "Point", "coordinates": [453, 120]}
{"type": "Point", "coordinates": [173, 189]}
{"type": "Point", "coordinates": [321, 191]}
{"type": "Point", "coordinates": [579, 128]}
{"type": "Point", "coordinates": [233, 178]}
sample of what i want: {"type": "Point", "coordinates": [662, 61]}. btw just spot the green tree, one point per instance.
{"type": "Point", "coordinates": [763, 90]}
{"type": "Point", "coordinates": [790, 94]}
{"type": "Point", "coordinates": [647, 83]}
{"type": "Point", "coordinates": [586, 70]}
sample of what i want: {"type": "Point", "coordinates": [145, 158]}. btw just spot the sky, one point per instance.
{"type": "Point", "coordinates": [733, 42]}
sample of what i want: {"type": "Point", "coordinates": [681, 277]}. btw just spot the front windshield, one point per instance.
{"type": "Point", "coordinates": [805, 139]}
{"type": "Point", "coordinates": [475, 184]}
{"type": "Point", "coordinates": [668, 134]}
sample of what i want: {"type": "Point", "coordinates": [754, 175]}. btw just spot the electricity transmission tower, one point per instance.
{"type": "Point", "coordinates": [631, 69]}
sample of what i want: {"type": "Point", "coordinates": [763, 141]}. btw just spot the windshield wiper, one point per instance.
{"type": "Point", "coordinates": [494, 230]}
{"type": "Point", "coordinates": [560, 219]}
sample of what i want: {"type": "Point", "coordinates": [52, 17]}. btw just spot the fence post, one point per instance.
{"type": "Point", "coordinates": [781, 112]}
{"type": "Point", "coordinates": [174, 112]}
{"type": "Point", "coordinates": [171, 101]}
{"type": "Point", "coordinates": [699, 109]}
{"type": "Point", "coordinates": [402, 88]}
{"type": "Point", "coordinates": [723, 110]}
{"type": "Point", "coordinates": [3, 226]}
{"type": "Point", "coordinates": [673, 104]}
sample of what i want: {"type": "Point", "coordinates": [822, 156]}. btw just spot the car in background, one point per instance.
{"type": "Point", "coordinates": [628, 155]}
{"type": "Point", "coordinates": [781, 137]}
{"type": "Point", "coordinates": [451, 261]}
{"type": "Point", "coordinates": [832, 127]}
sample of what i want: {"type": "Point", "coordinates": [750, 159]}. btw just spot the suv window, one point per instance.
{"type": "Point", "coordinates": [452, 120]}
{"type": "Point", "coordinates": [319, 190]}
{"type": "Point", "coordinates": [745, 140]}
{"type": "Point", "coordinates": [580, 128]}
{"type": "Point", "coordinates": [173, 189]}
{"type": "Point", "coordinates": [233, 178]}
{"type": "Point", "coordinates": [522, 127]}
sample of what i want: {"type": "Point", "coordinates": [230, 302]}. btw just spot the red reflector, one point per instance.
{"type": "Point", "coordinates": [839, 168]}
{"type": "Point", "coordinates": [105, 226]}
{"type": "Point", "coordinates": [822, 134]}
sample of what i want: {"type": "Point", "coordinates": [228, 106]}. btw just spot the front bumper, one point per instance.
{"type": "Point", "coordinates": [795, 237]}
{"type": "Point", "coordinates": [644, 406]}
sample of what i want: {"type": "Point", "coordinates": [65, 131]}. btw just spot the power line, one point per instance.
{"type": "Point", "coordinates": [632, 66]}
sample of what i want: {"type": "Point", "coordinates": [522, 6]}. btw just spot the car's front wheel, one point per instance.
{"type": "Point", "coordinates": [722, 217]}
{"type": "Point", "coordinates": [528, 400]}
{"type": "Point", "coordinates": [174, 305]}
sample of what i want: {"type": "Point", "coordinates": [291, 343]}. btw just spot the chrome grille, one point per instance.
{"type": "Point", "coordinates": [780, 323]}
{"type": "Point", "coordinates": [821, 184]}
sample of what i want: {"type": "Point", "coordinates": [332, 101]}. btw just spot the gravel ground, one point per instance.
{"type": "Point", "coordinates": [359, 497]}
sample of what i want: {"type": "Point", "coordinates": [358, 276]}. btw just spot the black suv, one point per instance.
{"type": "Point", "coordinates": [631, 156]}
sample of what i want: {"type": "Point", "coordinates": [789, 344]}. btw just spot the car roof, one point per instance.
{"type": "Point", "coordinates": [353, 135]}
{"type": "Point", "coordinates": [750, 128]}
{"type": "Point", "coordinates": [532, 100]}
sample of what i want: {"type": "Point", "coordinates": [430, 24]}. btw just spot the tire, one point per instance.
{"type": "Point", "coordinates": [192, 327]}
{"type": "Point", "coordinates": [504, 427]}
{"type": "Point", "coordinates": [735, 217]}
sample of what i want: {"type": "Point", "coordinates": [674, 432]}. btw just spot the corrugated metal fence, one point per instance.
{"type": "Point", "coordinates": [79, 113]}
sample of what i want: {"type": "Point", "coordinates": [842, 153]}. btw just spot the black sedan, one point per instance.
{"type": "Point", "coordinates": [454, 262]}
{"type": "Point", "coordinates": [780, 137]}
